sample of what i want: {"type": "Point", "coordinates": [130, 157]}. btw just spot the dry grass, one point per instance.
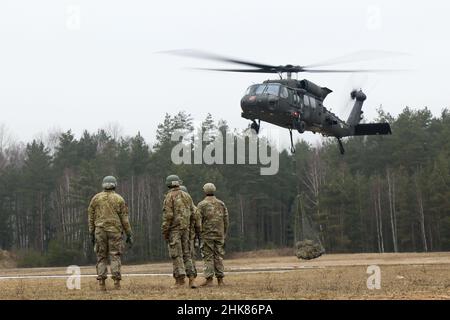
{"type": "Point", "coordinates": [269, 253]}
{"type": "Point", "coordinates": [404, 276]}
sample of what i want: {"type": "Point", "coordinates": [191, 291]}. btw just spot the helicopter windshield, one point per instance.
{"type": "Point", "coordinates": [255, 89]}
{"type": "Point", "coordinates": [271, 88]}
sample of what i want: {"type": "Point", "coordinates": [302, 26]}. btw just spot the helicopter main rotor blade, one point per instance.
{"type": "Point", "coordinates": [215, 57]}
{"type": "Point", "coordinates": [266, 68]}
{"type": "Point", "coordinates": [239, 70]}
{"type": "Point", "coordinates": [352, 70]}
{"type": "Point", "coordinates": [295, 70]}
{"type": "Point", "coordinates": [356, 57]}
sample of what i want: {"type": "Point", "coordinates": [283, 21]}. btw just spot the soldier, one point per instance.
{"type": "Point", "coordinates": [176, 226]}
{"type": "Point", "coordinates": [214, 226]}
{"type": "Point", "coordinates": [108, 219]}
{"type": "Point", "coordinates": [194, 233]}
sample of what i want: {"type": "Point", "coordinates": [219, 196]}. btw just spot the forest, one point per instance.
{"type": "Point", "coordinates": [386, 194]}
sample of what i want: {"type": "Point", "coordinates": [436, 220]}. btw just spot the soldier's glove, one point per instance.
{"type": "Point", "coordinates": [166, 236]}
{"type": "Point", "coordinates": [129, 240]}
{"type": "Point", "coordinates": [93, 238]}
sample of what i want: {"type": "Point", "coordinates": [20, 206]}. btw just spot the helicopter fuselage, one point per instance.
{"type": "Point", "coordinates": [293, 104]}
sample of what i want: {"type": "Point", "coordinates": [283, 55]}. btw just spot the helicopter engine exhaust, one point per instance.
{"type": "Point", "coordinates": [320, 92]}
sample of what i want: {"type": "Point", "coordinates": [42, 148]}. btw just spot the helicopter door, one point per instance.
{"type": "Point", "coordinates": [317, 110]}
{"type": "Point", "coordinates": [297, 100]}
{"type": "Point", "coordinates": [292, 98]}
{"type": "Point", "coordinates": [311, 106]}
{"type": "Point", "coordinates": [284, 93]}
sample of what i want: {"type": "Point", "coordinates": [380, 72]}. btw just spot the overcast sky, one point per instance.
{"type": "Point", "coordinates": [82, 64]}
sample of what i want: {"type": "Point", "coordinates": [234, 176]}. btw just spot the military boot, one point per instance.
{"type": "Point", "coordinates": [181, 281]}
{"type": "Point", "coordinates": [220, 282]}
{"type": "Point", "coordinates": [101, 285]}
{"type": "Point", "coordinates": [208, 282]}
{"type": "Point", "coordinates": [191, 282]}
{"type": "Point", "coordinates": [117, 284]}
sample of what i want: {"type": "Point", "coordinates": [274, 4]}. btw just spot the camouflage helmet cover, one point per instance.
{"type": "Point", "coordinates": [109, 182]}
{"type": "Point", "coordinates": [209, 188]}
{"type": "Point", "coordinates": [173, 181]}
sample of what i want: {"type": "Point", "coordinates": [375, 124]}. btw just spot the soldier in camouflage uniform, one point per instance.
{"type": "Point", "coordinates": [178, 210]}
{"type": "Point", "coordinates": [108, 219]}
{"type": "Point", "coordinates": [214, 226]}
{"type": "Point", "coordinates": [194, 233]}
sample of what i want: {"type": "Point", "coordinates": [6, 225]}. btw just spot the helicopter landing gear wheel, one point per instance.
{"type": "Point", "coordinates": [292, 142]}
{"type": "Point", "coordinates": [255, 126]}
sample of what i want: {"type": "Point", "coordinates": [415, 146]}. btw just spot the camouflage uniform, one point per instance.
{"type": "Point", "coordinates": [176, 226]}
{"type": "Point", "coordinates": [108, 218]}
{"type": "Point", "coordinates": [214, 225]}
{"type": "Point", "coordinates": [195, 231]}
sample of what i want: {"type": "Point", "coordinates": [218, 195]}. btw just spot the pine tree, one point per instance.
{"type": "Point", "coordinates": [37, 185]}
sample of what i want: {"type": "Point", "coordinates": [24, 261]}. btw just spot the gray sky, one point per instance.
{"type": "Point", "coordinates": [81, 64]}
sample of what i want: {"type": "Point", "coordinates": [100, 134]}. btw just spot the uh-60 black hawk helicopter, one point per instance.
{"type": "Point", "coordinates": [296, 104]}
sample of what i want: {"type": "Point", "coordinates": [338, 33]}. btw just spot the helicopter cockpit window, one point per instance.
{"type": "Point", "coordinates": [255, 89]}
{"type": "Point", "coordinates": [260, 89]}
{"type": "Point", "coordinates": [252, 89]}
{"type": "Point", "coordinates": [284, 93]}
{"type": "Point", "coordinates": [273, 89]}
{"type": "Point", "coordinates": [249, 90]}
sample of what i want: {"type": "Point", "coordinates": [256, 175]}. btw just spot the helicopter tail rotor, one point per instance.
{"type": "Point", "coordinates": [355, 115]}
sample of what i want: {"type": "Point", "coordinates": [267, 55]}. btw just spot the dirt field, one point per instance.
{"type": "Point", "coordinates": [337, 276]}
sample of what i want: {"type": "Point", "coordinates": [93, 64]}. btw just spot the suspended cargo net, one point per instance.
{"type": "Point", "coordinates": [308, 245]}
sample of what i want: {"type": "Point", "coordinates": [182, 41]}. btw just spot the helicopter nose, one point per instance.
{"type": "Point", "coordinates": [259, 103]}
{"type": "Point", "coordinates": [260, 100]}
{"type": "Point", "coordinates": [248, 101]}
{"type": "Point", "coordinates": [251, 99]}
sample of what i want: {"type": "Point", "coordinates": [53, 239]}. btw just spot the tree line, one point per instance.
{"type": "Point", "coordinates": [386, 194]}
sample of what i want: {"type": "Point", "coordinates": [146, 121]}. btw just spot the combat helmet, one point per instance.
{"type": "Point", "coordinates": [109, 183]}
{"type": "Point", "coordinates": [209, 188]}
{"type": "Point", "coordinates": [173, 181]}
